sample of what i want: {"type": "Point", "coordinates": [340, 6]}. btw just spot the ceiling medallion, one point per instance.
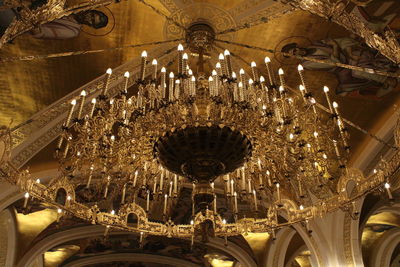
{"type": "Point", "coordinates": [247, 147]}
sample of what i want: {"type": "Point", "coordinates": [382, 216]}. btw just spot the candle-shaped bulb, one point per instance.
{"type": "Point", "coordinates": [180, 47]}
{"type": "Point", "coordinates": [109, 71]}
{"type": "Point", "coordinates": [59, 211]}
{"type": "Point", "coordinates": [335, 105]}
{"type": "Point", "coordinates": [190, 72]}
{"type": "Point", "coordinates": [69, 198]}
{"type": "Point", "coordinates": [191, 222]}
{"type": "Point", "coordinates": [154, 62]}
{"type": "Point", "coordinates": [112, 138]}
{"type": "Point", "coordinates": [315, 134]}
{"type": "Point", "coordinates": [262, 79]}
{"type": "Point", "coordinates": [281, 89]}
{"type": "Point", "coordinates": [301, 87]}
{"type": "Point", "coordinates": [234, 75]}
{"type": "Point", "coordinates": [280, 71]}
{"type": "Point", "coordinates": [301, 207]}
{"type": "Point", "coordinates": [253, 64]}
{"type": "Point", "coordinates": [171, 75]}
{"type": "Point", "coordinates": [240, 84]}
{"type": "Point", "coordinates": [83, 93]}
{"type": "Point", "coordinates": [113, 212]}
{"type": "Point", "coordinates": [241, 71]}
{"type": "Point", "coordinates": [277, 185]}
{"type": "Point", "coordinates": [126, 74]}
{"type": "Point", "coordinates": [214, 72]}
{"type": "Point", "coordinates": [38, 181]}
{"type": "Point", "coordinates": [326, 89]}
{"type": "Point", "coordinates": [218, 65]}
{"type": "Point", "coordinates": [267, 60]}
{"type": "Point", "coordinates": [163, 69]}
{"type": "Point", "coordinates": [144, 53]}
{"type": "Point", "coordinates": [251, 81]}
{"type": "Point", "coordinates": [300, 67]}
{"type": "Point", "coordinates": [73, 102]}
{"type": "Point", "coordinates": [193, 79]}
{"type": "Point", "coordinates": [223, 221]}
{"type": "Point", "coordinates": [26, 195]}
{"type": "Point", "coordinates": [94, 101]}
{"type": "Point", "coordinates": [185, 56]}
{"type": "Point", "coordinates": [210, 79]}
{"type": "Point", "coordinates": [221, 56]}
{"type": "Point", "coordinates": [226, 52]}
{"type": "Point", "coordinates": [387, 185]}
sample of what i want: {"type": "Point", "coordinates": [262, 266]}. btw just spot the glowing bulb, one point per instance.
{"type": "Point", "coordinates": [190, 72]}
{"type": "Point", "coordinates": [144, 53]}
{"type": "Point", "coordinates": [226, 52]}
{"type": "Point", "coordinates": [240, 84]}
{"type": "Point", "coordinates": [375, 171]}
{"type": "Point", "coordinates": [326, 89]}
{"type": "Point", "coordinates": [109, 71]}
{"type": "Point", "coordinates": [277, 185]}
{"type": "Point", "coordinates": [241, 71]}
{"type": "Point", "coordinates": [191, 222]}
{"type": "Point", "coordinates": [180, 47]}
{"type": "Point", "coordinates": [291, 136]}
{"type": "Point", "coordinates": [26, 195]}
{"type": "Point", "coordinates": [193, 79]}
{"type": "Point", "coordinates": [210, 79]}
{"type": "Point", "coordinates": [253, 64]}
{"type": "Point", "coordinates": [281, 89]}
{"type": "Point", "coordinates": [268, 173]}
{"type": "Point", "coordinates": [171, 75]}
{"type": "Point", "coordinates": [280, 72]}
{"type": "Point", "coordinates": [112, 212]}
{"type": "Point", "coordinates": [223, 221]}
{"type": "Point", "coordinates": [387, 185]}
{"type": "Point", "coordinates": [301, 87]}
{"type": "Point", "coordinates": [221, 56]}
{"type": "Point", "coordinates": [112, 138]}
{"type": "Point", "coordinates": [59, 211]}
{"type": "Point", "coordinates": [185, 56]}
{"type": "Point", "coordinates": [262, 79]}
{"type": "Point", "coordinates": [38, 181]}
{"type": "Point", "coordinates": [163, 69]}
{"type": "Point", "coordinates": [94, 101]}
{"type": "Point", "coordinates": [126, 74]}
{"type": "Point", "coordinates": [335, 105]}
{"type": "Point", "coordinates": [218, 65]}
{"type": "Point", "coordinates": [234, 75]}
{"type": "Point", "coordinates": [69, 198]}
{"type": "Point", "coordinates": [154, 62]}
{"type": "Point", "coordinates": [315, 134]}
{"type": "Point", "coordinates": [301, 207]}
{"type": "Point", "coordinates": [83, 93]}
{"type": "Point", "coordinates": [251, 81]}
{"type": "Point", "coordinates": [267, 60]}
{"type": "Point", "coordinates": [73, 102]}
{"type": "Point", "coordinates": [214, 72]}
{"type": "Point", "coordinates": [300, 67]}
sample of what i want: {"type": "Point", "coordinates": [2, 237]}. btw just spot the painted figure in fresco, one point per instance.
{"type": "Point", "coordinates": [349, 51]}
{"type": "Point", "coordinates": [63, 28]}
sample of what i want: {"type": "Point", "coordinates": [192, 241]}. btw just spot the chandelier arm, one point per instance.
{"type": "Point", "coordinates": [377, 138]}
{"type": "Point", "coordinates": [82, 52]}
{"type": "Point", "coordinates": [257, 22]}
{"type": "Point", "coordinates": [341, 65]}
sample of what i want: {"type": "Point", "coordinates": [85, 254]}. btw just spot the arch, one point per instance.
{"type": "Point", "coordinates": [134, 257]}
{"type": "Point", "coordinates": [384, 248]}
{"type": "Point", "coordinates": [97, 230]}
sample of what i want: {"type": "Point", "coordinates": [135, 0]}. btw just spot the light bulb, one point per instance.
{"type": "Point", "coordinates": [190, 72]}
{"type": "Point", "coordinates": [335, 105]}
{"type": "Point", "coordinates": [267, 60]}
{"type": "Point", "coordinates": [210, 79]}
{"type": "Point", "coordinates": [144, 53]}
{"type": "Point", "coordinates": [185, 56]}
{"type": "Point", "coordinates": [300, 67]}
{"type": "Point", "coordinates": [38, 181]}
{"type": "Point", "coordinates": [262, 79]}
{"type": "Point", "coordinates": [83, 93]}
{"type": "Point", "coordinates": [214, 72]}
{"type": "Point", "coordinates": [221, 56]}
{"type": "Point", "coordinates": [109, 71]}
{"type": "Point", "coordinates": [163, 69]}
{"type": "Point", "coordinates": [154, 62]}
{"type": "Point", "coordinates": [241, 71]}
{"type": "Point", "coordinates": [301, 207]}
{"type": "Point", "coordinates": [126, 74]}
{"type": "Point", "coordinates": [193, 79]}
{"type": "Point", "coordinates": [234, 75]}
{"type": "Point", "coordinates": [251, 81]}
{"type": "Point", "coordinates": [280, 72]}
{"type": "Point", "coordinates": [301, 87]}
{"type": "Point", "coordinates": [387, 185]}
{"type": "Point", "coordinates": [253, 64]}
{"type": "Point", "coordinates": [26, 195]}
{"type": "Point", "coordinates": [326, 89]}
{"type": "Point", "coordinates": [171, 75]}
{"type": "Point", "coordinates": [180, 47]}
{"type": "Point", "coordinates": [93, 100]}
{"type": "Point", "coordinates": [59, 211]}
{"type": "Point", "coordinates": [73, 102]}
{"type": "Point", "coordinates": [226, 52]}
{"type": "Point", "coordinates": [218, 65]}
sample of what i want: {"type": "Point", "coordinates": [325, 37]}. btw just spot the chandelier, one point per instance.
{"type": "Point", "coordinates": [248, 148]}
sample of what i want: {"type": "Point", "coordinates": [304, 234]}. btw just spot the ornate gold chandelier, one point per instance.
{"type": "Point", "coordinates": [248, 149]}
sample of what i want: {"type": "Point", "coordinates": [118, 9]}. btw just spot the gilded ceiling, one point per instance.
{"type": "Point", "coordinates": [29, 86]}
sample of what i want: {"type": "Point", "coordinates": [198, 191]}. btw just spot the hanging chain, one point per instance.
{"type": "Point", "coordinates": [262, 20]}
{"type": "Point", "coordinates": [162, 14]}
{"type": "Point", "coordinates": [327, 62]}
{"type": "Point", "coordinates": [82, 52]}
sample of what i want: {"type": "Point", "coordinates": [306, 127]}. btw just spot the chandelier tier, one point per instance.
{"type": "Point", "coordinates": [248, 149]}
